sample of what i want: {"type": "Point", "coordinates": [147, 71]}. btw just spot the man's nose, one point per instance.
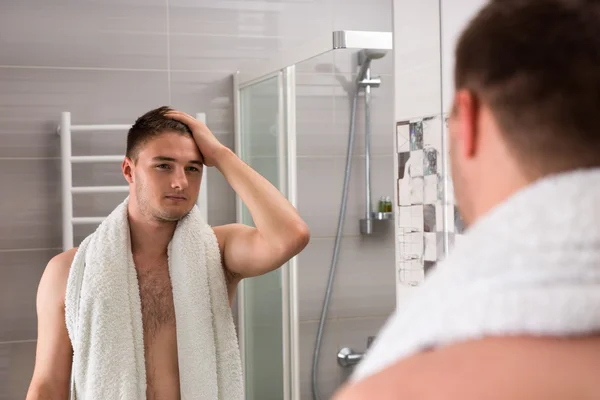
{"type": "Point", "coordinates": [180, 180]}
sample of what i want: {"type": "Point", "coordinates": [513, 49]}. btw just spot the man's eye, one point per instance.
{"type": "Point", "coordinates": [162, 166]}
{"type": "Point", "coordinates": [194, 169]}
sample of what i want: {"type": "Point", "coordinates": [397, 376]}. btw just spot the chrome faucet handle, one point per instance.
{"type": "Point", "coordinates": [347, 357]}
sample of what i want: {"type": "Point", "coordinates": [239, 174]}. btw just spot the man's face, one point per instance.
{"type": "Point", "coordinates": [167, 176]}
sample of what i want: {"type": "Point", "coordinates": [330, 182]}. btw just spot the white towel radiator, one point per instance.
{"type": "Point", "coordinates": [67, 158]}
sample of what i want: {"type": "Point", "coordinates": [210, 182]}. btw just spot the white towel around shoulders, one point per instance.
{"type": "Point", "coordinates": [531, 266]}
{"type": "Point", "coordinates": [104, 318]}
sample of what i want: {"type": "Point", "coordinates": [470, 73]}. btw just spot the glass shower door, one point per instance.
{"type": "Point", "coordinates": [261, 143]}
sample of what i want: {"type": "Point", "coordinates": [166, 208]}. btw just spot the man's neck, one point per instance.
{"type": "Point", "coordinates": [149, 237]}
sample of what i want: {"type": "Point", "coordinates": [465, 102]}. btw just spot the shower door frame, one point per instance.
{"type": "Point", "coordinates": [286, 86]}
{"type": "Point", "coordinates": [283, 65]}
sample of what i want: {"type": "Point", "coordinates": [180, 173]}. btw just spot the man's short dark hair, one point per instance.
{"type": "Point", "coordinates": [536, 64]}
{"type": "Point", "coordinates": [149, 126]}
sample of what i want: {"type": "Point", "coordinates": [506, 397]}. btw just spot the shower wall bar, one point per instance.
{"type": "Point", "coordinates": [331, 41]}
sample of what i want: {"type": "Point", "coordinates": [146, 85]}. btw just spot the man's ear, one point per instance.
{"type": "Point", "coordinates": [467, 116]}
{"type": "Point", "coordinates": [127, 168]}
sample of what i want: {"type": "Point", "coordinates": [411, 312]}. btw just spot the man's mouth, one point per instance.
{"type": "Point", "coordinates": [176, 197]}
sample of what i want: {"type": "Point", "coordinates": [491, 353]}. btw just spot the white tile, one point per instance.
{"type": "Point", "coordinates": [411, 218]}
{"type": "Point", "coordinates": [416, 190]}
{"type": "Point", "coordinates": [403, 137]}
{"type": "Point", "coordinates": [416, 163]}
{"type": "Point", "coordinates": [410, 245]}
{"type": "Point", "coordinates": [412, 277]}
{"type": "Point", "coordinates": [430, 190]}
{"type": "Point", "coordinates": [417, 59]}
{"type": "Point", "coordinates": [454, 16]}
{"type": "Point", "coordinates": [431, 251]}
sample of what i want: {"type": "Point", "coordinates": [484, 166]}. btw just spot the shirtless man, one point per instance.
{"type": "Point", "coordinates": [526, 113]}
{"type": "Point", "coordinates": [166, 152]}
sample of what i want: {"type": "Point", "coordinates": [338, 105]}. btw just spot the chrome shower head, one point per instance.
{"type": "Point", "coordinates": [365, 56]}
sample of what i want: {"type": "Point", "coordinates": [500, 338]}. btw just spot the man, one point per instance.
{"type": "Point", "coordinates": [166, 152]}
{"type": "Point", "coordinates": [514, 311]}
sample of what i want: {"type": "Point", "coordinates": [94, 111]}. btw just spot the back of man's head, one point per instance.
{"type": "Point", "coordinates": [536, 64]}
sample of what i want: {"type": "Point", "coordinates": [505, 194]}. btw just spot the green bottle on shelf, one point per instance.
{"type": "Point", "coordinates": [382, 205]}
{"type": "Point", "coordinates": [388, 204]}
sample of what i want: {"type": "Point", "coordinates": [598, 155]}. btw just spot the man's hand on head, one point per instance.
{"type": "Point", "coordinates": [209, 145]}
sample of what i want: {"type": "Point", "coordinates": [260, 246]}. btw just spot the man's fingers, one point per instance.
{"type": "Point", "coordinates": [179, 116]}
{"type": "Point", "coordinates": [183, 117]}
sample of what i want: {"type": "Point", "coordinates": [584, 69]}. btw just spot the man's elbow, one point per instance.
{"type": "Point", "coordinates": [301, 237]}
{"type": "Point", "coordinates": [290, 244]}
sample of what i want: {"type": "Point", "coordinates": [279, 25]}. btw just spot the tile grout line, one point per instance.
{"type": "Point", "coordinates": [114, 69]}
{"type": "Point", "coordinates": [18, 341]}
{"type": "Point", "coordinates": [81, 68]}
{"type": "Point", "coordinates": [32, 249]}
{"type": "Point", "coordinates": [344, 319]}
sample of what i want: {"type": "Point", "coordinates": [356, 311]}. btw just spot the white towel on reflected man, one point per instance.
{"type": "Point", "coordinates": [104, 317]}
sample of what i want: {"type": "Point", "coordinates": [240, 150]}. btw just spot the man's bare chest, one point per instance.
{"type": "Point", "coordinates": [156, 296]}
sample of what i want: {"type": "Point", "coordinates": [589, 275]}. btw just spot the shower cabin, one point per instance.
{"type": "Point", "coordinates": [265, 126]}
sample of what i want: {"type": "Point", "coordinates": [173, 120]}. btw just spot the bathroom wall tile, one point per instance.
{"type": "Point", "coordinates": [364, 285]}
{"type": "Point", "coordinates": [313, 272]}
{"type": "Point", "coordinates": [315, 115]}
{"type": "Point", "coordinates": [32, 194]}
{"type": "Point", "coordinates": [364, 281]}
{"type": "Point", "coordinates": [112, 34]}
{"type": "Point", "coordinates": [16, 369]}
{"type": "Point", "coordinates": [321, 64]}
{"type": "Point", "coordinates": [220, 53]}
{"type": "Point", "coordinates": [31, 102]}
{"type": "Point", "coordinates": [206, 92]}
{"type": "Point", "coordinates": [354, 333]}
{"type": "Point", "coordinates": [417, 59]}
{"type": "Point", "coordinates": [358, 15]}
{"type": "Point", "coordinates": [98, 174]}
{"type": "Point", "coordinates": [455, 17]}
{"type": "Point", "coordinates": [96, 204]}
{"type": "Point", "coordinates": [221, 199]}
{"type": "Point", "coordinates": [249, 18]}
{"type": "Point", "coordinates": [20, 273]}
{"type": "Point", "coordinates": [347, 61]}
{"type": "Point", "coordinates": [328, 370]}
{"type": "Point", "coordinates": [382, 124]}
{"type": "Point", "coordinates": [320, 183]}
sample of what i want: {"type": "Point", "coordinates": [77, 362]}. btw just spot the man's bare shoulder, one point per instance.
{"type": "Point", "coordinates": [54, 279]}
{"type": "Point", "coordinates": [498, 368]}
